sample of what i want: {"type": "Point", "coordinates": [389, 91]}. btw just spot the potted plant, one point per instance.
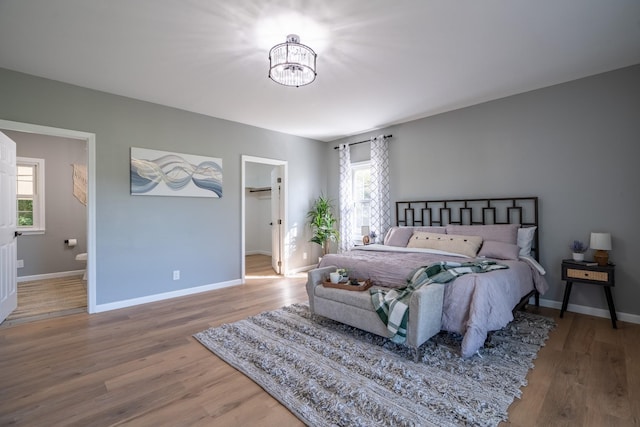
{"type": "Point", "coordinates": [578, 249]}
{"type": "Point", "coordinates": [322, 223]}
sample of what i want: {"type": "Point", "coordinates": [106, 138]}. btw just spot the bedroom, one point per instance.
{"type": "Point", "coordinates": [573, 145]}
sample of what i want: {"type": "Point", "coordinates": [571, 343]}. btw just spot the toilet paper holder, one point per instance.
{"type": "Point", "coordinates": [71, 242]}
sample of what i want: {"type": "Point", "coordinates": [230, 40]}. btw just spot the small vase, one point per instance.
{"type": "Point", "coordinates": [578, 257]}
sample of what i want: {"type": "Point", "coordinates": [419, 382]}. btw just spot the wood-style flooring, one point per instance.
{"type": "Point", "coordinates": [259, 266]}
{"type": "Point", "coordinates": [41, 299]}
{"type": "Point", "coordinates": [140, 366]}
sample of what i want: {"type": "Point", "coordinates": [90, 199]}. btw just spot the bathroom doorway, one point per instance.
{"type": "Point", "coordinates": [50, 287]}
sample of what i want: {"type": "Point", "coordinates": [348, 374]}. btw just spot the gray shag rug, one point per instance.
{"type": "Point", "coordinates": [329, 374]}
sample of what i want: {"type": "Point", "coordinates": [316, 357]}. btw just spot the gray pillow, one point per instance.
{"type": "Point", "coordinates": [499, 250]}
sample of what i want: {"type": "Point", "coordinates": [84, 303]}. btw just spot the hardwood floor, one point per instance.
{"type": "Point", "coordinates": [41, 299]}
{"type": "Point", "coordinates": [259, 266]}
{"type": "Point", "coordinates": [140, 366]}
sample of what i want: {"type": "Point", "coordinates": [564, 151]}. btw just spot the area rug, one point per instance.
{"type": "Point", "coordinates": [327, 373]}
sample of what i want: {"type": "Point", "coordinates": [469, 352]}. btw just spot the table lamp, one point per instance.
{"type": "Point", "coordinates": [601, 242]}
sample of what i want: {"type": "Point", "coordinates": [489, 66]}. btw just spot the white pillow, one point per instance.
{"type": "Point", "coordinates": [525, 240]}
{"type": "Point", "coordinates": [458, 244]}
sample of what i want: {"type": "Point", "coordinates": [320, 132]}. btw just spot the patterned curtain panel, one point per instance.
{"type": "Point", "coordinates": [380, 199]}
{"type": "Point", "coordinates": [346, 199]}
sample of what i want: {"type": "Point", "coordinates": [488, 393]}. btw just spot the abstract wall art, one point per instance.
{"type": "Point", "coordinates": [162, 173]}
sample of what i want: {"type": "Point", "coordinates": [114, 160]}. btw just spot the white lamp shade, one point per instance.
{"type": "Point", "coordinates": [600, 241]}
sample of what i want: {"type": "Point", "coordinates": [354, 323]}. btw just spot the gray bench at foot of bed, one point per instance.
{"type": "Point", "coordinates": [356, 309]}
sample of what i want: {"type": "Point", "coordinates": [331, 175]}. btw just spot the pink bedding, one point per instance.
{"type": "Point", "coordinates": [474, 304]}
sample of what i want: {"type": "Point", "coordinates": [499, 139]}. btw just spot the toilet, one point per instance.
{"type": "Point", "coordinates": [83, 258]}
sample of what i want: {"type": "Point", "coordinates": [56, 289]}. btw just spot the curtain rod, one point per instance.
{"type": "Point", "coordinates": [362, 142]}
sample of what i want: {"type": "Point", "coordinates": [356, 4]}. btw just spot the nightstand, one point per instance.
{"type": "Point", "coordinates": [573, 271]}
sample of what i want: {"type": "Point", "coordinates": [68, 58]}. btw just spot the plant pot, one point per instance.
{"type": "Point", "coordinates": [578, 257]}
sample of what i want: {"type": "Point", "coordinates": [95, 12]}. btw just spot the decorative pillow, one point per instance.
{"type": "Point", "coordinates": [399, 236]}
{"type": "Point", "coordinates": [507, 233]}
{"type": "Point", "coordinates": [525, 239]}
{"type": "Point", "coordinates": [499, 250]}
{"type": "Point", "coordinates": [463, 245]}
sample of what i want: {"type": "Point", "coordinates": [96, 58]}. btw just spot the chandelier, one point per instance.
{"type": "Point", "coordinates": [292, 63]}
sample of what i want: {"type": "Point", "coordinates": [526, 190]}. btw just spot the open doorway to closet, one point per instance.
{"type": "Point", "coordinates": [264, 200]}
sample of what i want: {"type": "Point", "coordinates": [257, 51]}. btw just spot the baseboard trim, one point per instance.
{"type": "Point", "coordinates": [301, 269]}
{"type": "Point", "coordinates": [164, 296]}
{"type": "Point", "coordinates": [266, 253]}
{"type": "Point", "coordinates": [591, 311]}
{"type": "Point", "coordinates": [49, 275]}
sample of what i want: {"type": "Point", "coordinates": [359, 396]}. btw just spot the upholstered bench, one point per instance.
{"type": "Point", "coordinates": [356, 309]}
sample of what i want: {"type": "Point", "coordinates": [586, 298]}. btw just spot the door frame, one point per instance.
{"type": "Point", "coordinates": [90, 140]}
{"type": "Point", "coordinates": [283, 249]}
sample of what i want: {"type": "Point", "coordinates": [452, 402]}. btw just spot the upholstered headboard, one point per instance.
{"type": "Point", "coordinates": [503, 210]}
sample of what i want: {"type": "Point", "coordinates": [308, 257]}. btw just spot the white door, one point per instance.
{"type": "Point", "coordinates": [8, 272]}
{"type": "Point", "coordinates": [276, 219]}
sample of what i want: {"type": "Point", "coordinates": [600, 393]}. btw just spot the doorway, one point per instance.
{"type": "Point", "coordinates": [89, 140]}
{"type": "Point", "coordinates": [264, 201]}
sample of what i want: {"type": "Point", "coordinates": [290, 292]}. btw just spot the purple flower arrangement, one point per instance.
{"type": "Point", "coordinates": [577, 247]}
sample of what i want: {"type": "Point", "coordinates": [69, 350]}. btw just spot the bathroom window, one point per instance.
{"type": "Point", "coordinates": [30, 195]}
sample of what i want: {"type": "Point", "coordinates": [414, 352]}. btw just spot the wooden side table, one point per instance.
{"type": "Point", "coordinates": [573, 271]}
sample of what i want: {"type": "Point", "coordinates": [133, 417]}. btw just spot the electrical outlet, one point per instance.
{"type": "Point", "coordinates": [304, 255]}
{"type": "Point", "coordinates": [176, 274]}
{"type": "Point", "coordinates": [20, 263]}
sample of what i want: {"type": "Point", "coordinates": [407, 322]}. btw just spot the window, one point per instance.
{"type": "Point", "coordinates": [361, 179]}
{"type": "Point", "coordinates": [30, 195]}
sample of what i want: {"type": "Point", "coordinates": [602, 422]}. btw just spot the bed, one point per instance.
{"type": "Point", "coordinates": [449, 230]}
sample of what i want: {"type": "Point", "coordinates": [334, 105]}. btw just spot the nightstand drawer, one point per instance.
{"type": "Point", "coordinates": [598, 276]}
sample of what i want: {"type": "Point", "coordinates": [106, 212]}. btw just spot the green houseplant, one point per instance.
{"type": "Point", "coordinates": [322, 222]}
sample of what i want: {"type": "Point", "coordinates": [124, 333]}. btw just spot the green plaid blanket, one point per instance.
{"type": "Point", "coordinates": [393, 306]}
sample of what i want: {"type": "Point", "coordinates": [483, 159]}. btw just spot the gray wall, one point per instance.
{"type": "Point", "coordinates": [65, 216]}
{"type": "Point", "coordinates": [575, 145]}
{"type": "Point", "coordinates": [141, 240]}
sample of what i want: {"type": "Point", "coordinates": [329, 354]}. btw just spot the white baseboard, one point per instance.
{"type": "Point", "coordinates": [301, 269]}
{"type": "Point", "coordinates": [591, 311]}
{"type": "Point", "coordinates": [50, 275]}
{"type": "Point", "coordinates": [167, 295]}
{"type": "Point", "coordinates": [258, 252]}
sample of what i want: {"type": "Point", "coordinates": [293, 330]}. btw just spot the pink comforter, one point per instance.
{"type": "Point", "coordinates": [474, 304]}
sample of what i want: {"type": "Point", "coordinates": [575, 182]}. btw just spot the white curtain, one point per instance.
{"type": "Point", "coordinates": [346, 200]}
{"type": "Point", "coordinates": [380, 199]}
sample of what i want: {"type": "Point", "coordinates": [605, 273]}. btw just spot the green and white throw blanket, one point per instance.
{"type": "Point", "coordinates": [393, 306]}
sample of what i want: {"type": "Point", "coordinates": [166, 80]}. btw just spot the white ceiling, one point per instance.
{"type": "Point", "coordinates": [380, 62]}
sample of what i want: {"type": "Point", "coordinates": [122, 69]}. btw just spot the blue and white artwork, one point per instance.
{"type": "Point", "coordinates": [161, 173]}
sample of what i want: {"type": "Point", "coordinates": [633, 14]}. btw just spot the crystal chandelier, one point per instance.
{"type": "Point", "coordinates": [292, 63]}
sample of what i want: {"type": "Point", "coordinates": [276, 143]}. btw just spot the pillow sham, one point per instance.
{"type": "Point", "coordinates": [507, 233]}
{"type": "Point", "coordinates": [399, 236]}
{"type": "Point", "coordinates": [499, 250]}
{"type": "Point", "coordinates": [525, 239]}
{"type": "Point", "coordinates": [459, 244]}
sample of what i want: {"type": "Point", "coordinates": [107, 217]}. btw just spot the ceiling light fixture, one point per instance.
{"type": "Point", "coordinates": [292, 63]}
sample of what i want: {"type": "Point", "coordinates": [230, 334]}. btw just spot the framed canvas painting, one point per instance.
{"type": "Point", "coordinates": [162, 173]}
